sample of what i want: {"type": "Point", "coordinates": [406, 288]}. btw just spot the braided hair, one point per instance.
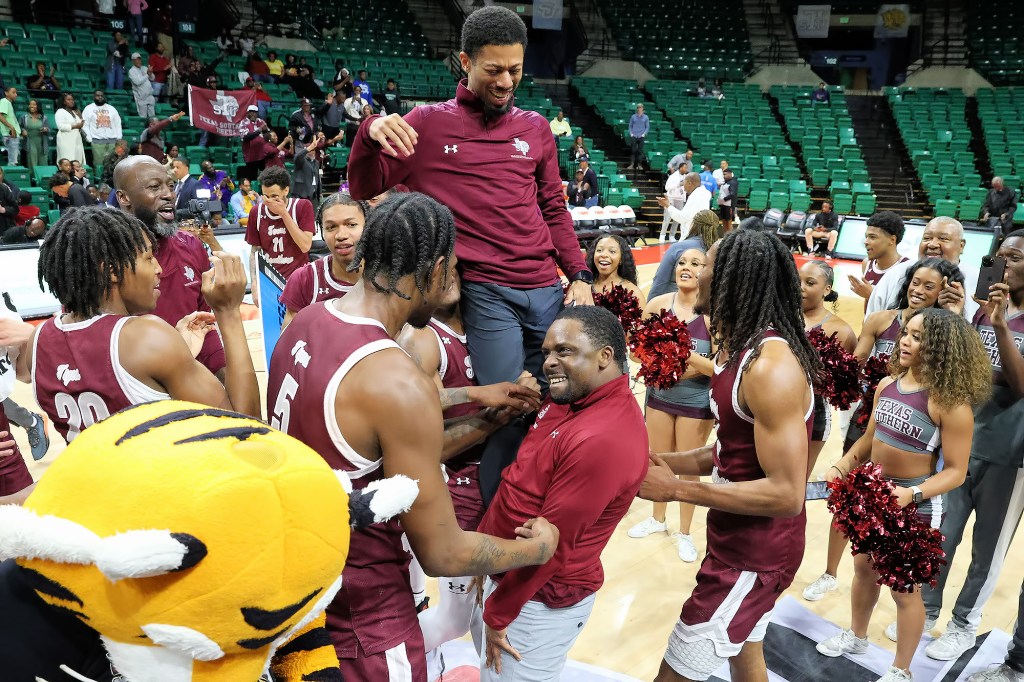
{"type": "Point", "coordinates": [338, 199]}
{"type": "Point", "coordinates": [84, 250]}
{"type": "Point", "coordinates": [404, 235]}
{"type": "Point", "coordinates": [828, 273]}
{"type": "Point", "coordinates": [754, 287]}
{"type": "Point", "coordinates": [708, 226]}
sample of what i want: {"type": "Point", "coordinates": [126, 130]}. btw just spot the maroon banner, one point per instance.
{"type": "Point", "coordinates": [218, 111]}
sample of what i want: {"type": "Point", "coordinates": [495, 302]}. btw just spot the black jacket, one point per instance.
{"type": "Point", "coordinates": [9, 200]}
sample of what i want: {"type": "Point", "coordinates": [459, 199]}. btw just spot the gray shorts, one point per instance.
{"type": "Point", "coordinates": [543, 636]}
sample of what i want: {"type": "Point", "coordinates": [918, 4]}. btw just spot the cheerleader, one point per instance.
{"type": "Point", "coordinates": [611, 261]}
{"type": "Point", "coordinates": [921, 290]}
{"type": "Point", "coordinates": [920, 434]}
{"type": "Point", "coordinates": [679, 418]}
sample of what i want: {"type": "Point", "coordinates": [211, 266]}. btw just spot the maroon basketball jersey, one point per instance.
{"type": "Point", "coordinates": [77, 373]}
{"type": "Point", "coordinates": [456, 372]}
{"type": "Point", "coordinates": [311, 359]}
{"type": "Point", "coordinates": [183, 260]}
{"type": "Point", "coordinates": [313, 283]}
{"type": "Point", "coordinates": [873, 275]}
{"type": "Point", "coordinates": [750, 543]}
{"type": "Point", "coordinates": [267, 231]}
{"type": "Point", "coordinates": [988, 337]}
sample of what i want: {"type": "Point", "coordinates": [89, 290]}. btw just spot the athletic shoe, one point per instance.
{"type": "Point", "coordinates": [1002, 673]}
{"type": "Point", "coordinates": [648, 526]}
{"type": "Point", "coordinates": [820, 587]}
{"type": "Point", "coordinates": [953, 642]}
{"type": "Point", "coordinates": [890, 630]}
{"type": "Point", "coordinates": [423, 605]}
{"type": "Point", "coordinates": [685, 547]}
{"type": "Point", "coordinates": [895, 675]}
{"type": "Point", "coordinates": [38, 441]}
{"type": "Point", "coordinates": [844, 643]}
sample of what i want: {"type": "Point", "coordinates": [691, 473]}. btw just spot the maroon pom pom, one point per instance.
{"type": "Point", "coordinates": [904, 549]}
{"type": "Point", "coordinates": [623, 303]}
{"type": "Point", "coordinates": [662, 344]}
{"type": "Point", "coordinates": [872, 372]}
{"type": "Point", "coordinates": [839, 384]}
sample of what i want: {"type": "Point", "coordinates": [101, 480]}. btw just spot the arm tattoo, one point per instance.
{"type": "Point", "coordinates": [450, 397]}
{"type": "Point", "coordinates": [488, 558]}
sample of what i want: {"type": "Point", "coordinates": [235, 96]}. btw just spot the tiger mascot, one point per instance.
{"type": "Point", "coordinates": [201, 545]}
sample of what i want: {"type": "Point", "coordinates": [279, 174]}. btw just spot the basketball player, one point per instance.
{"type": "Point", "coordinates": [341, 220]}
{"type": "Point", "coordinates": [994, 491]}
{"type": "Point", "coordinates": [762, 397]}
{"type": "Point", "coordinates": [582, 463]}
{"type": "Point", "coordinates": [339, 359]}
{"type": "Point", "coordinates": [280, 227]}
{"type": "Point", "coordinates": [881, 238]}
{"type": "Point", "coordinates": [145, 190]}
{"type": "Point", "coordinates": [440, 350]}
{"type": "Point", "coordinates": [104, 353]}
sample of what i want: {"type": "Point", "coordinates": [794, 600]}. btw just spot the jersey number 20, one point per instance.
{"type": "Point", "coordinates": [80, 413]}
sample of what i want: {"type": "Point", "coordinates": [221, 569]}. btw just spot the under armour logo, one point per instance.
{"type": "Point", "coordinates": [300, 354]}
{"type": "Point", "coordinates": [457, 588]}
{"type": "Point", "coordinates": [447, 341]}
{"type": "Point", "coordinates": [66, 375]}
{"type": "Point", "coordinates": [554, 433]}
{"type": "Point", "coordinates": [323, 291]}
{"type": "Point", "coordinates": [462, 481]}
{"type": "Point", "coordinates": [452, 149]}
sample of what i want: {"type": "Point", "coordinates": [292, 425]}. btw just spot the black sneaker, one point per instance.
{"type": "Point", "coordinates": [423, 605]}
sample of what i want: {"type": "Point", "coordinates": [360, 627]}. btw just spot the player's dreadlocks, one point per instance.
{"type": "Point", "coordinates": [755, 286]}
{"type": "Point", "coordinates": [83, 250]}
{"type": "Point", "coordinates": [405, 235]}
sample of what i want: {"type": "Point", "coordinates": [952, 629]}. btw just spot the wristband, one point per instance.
{"type": "Point", "coordinates": [839, 470]}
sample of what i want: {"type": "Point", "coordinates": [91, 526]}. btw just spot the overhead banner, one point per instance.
{"type": "Point", "coordinates": [812, 21]}
{"type": "Point", "coordinates": [547, 14]}
{"type": "Point", "coordinates": [893, 21]}
{"type": "Point", "coordinates": [219, 111]}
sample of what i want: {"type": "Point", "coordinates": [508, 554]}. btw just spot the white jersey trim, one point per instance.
{"type": "Point", "coordinates": [325, 264]}
{"type": "Point", "coordinates": [363, 466]}
{"type": "Point", "coordinates": [442, 325]}
{"type": "Point", "coordinates": [739, 377]}
{"type": "Point", "coordinates": [136, 391]}
{"type": "Point", "coordinates": [443, 370]}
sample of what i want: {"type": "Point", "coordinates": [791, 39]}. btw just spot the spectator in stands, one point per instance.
{"type": "Point", "coordinates": [579, 190]}
{"type": "Point", "coordinates": [185, 61]}
{"type": "Point", "coordinates": [275, 153]}
{"type": "Point", "coordinates": [152, 139]}
{"type": "Point", "coordinates": [242, 202]}
{"type": "Point", "coordinates": [105, 191]}
{"type": "Point", "coordinates": [250, 129]}
{"type": "Point", "coordinates": [391, 99]}
{"type": "Point", "coordinates": [110, 161]}
{"type": "Point", "coordinates": [363, 83]}
{"type": "Point", "coordinates": [117, 53]}
{"type": "Point", "coordinates": [226, 42]}
{"type": "Point", "coordinates": [728, 193]}
{"type": "Point", "coordinates": [258, 69]}
{"type": "Point", "coordinates": [698, 198]}
{"type": "Point", "coordinates": [303, 124]}
{"type": "Point", "coordinates": [32, 230]}
{"type": "Point", "coordinates": [591, 179]}
{"type": "Point", "coordinates": [579, 150]}
{"type": "Point", "coordinates": [160, 68]}
{"type": "Point", "coordinates": [217, 182]}
{"type": "Point", "coordinates": [707, 178]}
{"type": "Point", "coordinates": [8, 206]}
{"type": "Point", "coordinates": [353, 114]}
{"type": "Point", "coordinates": [676, 163]}
{"type": "Point", "coordinates": [36, 131]}
{"type": "Point", "coordinates": [246, 45]}
{"type": "Point", "coordinates": [821, 95]}
{"type": "Point", "coordinates": [560, 125]}
{"type": "Point", "coordinates": [11, 128]}
{"type": "Point", "coordinates": [639, 126]}
{"type": "Point", "coordinates": [332, 114]}
{"type": "Point", "coordinates": [185, 186]}
{"type": "Point", "coordinates": [69, 129]}
{"type": "Point", "coordinates": [1001, 202]}
{"type": "Point", "coordinates": [42, 85]}
{"type": "Point", "coordinates": [79, 175]}
{"type": "Point", "coordinates": [306, 182]}
{"type": "Point", "coordinates": [674, 196]}
{"type": "Point", "coordinates": [263, 98]}
{"type": "Point", "coordinates": [64, 166]}
{"type": "Point", "coordinates": [102, 127]}
{"type": "Point", "coordinates": [72, 194]}
{"type": "Point", "coordinates": [135, 10]}
{"type": "Point", "coordinates": [26, 211]}
{"type": "Point", "coordinates": [275, 67]}
{"type": "Point", "coordinates": [825, 226]}
{"type": "Point", "coordinates": [720, 172]}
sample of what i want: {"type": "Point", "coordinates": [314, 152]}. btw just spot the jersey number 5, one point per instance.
{"type": "Point", "coordinates": [283, 405]}
{"type": "Point", "coordinates": [82, 413]}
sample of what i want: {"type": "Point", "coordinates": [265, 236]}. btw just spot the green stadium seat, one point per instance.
{"type": "Point", "coordinates": [779, 200]}
{"type": "Point", "coordinates": [758, 200]}
{"type": "Point", "coordinates": [842, 203]}
{"type": "Point", "coordinates": [800, 201]}
{"type": "Point", "coordinates": [970, 210]}
{"type": "Point", "coordinates": [946, 207]}
{"type": "Point", "coordinates": [864, 204]}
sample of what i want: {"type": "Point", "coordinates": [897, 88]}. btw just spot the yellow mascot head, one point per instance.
{"type": "Point", "coordinates": [195, 541]}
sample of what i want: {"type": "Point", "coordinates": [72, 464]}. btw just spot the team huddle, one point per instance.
{"type": "Point", "coordinates": [429, 343]}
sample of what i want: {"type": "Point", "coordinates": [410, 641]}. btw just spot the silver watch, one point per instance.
{"type": "Point", "coordinates": [918, 495]}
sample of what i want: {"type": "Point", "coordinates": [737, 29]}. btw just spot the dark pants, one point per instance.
{"type": "Point", "coordinates": [505, 329]}
{"type": "Point", "coordinates": [637, 146]}
{"type": "Point", "coordinates": [726, 213]}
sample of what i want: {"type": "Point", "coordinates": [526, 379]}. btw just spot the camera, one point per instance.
{"type": "Point", "coordinates": [199, 210]}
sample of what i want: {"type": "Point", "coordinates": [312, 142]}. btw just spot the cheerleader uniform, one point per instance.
{"type": "Point", "coordinates": [690, 397]}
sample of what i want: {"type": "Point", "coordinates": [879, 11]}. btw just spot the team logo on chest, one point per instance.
{"type": "Point", "coordinates": [522, 149]}
{"type": "Point", "coordinates": [65, 374]}
{"type": "Point", "coordinates": [190, 274]}
{"type": "Point", "coordinates": [301, 355]}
